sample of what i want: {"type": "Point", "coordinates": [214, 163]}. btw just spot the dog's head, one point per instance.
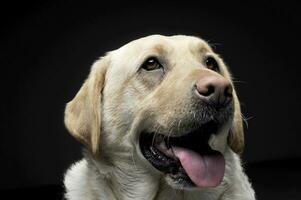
{"type": "Point", "coordinates": [169, 101]}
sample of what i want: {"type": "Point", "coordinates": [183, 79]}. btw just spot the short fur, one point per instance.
{"type": "Point", "coordinates": [118, 101]}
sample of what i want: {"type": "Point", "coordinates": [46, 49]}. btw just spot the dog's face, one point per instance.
{"type": "Point", "coordinates": [167, 101]}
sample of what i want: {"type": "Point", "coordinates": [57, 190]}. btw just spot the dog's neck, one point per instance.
{"type": "Point", "coordinates": [138, 183]}
{"type": "Point", "coordinates": [133, 183]}
{"type": "Point", "coordinates": [125, 179]}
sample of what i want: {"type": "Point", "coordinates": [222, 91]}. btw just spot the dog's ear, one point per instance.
{"type": "Point", "coordinates": [236, 134]}
{"type": "Point", "coordinates": [83, 113]}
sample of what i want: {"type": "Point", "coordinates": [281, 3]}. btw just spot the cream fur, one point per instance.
{"type": "Point", "coordinates": [118, 101]}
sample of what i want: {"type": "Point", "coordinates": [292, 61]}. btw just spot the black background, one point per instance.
{"type": "Point", "coordinates": [47, 49]}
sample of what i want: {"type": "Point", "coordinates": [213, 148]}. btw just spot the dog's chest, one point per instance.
{"type": "Point", "coordinates": [169, 193]}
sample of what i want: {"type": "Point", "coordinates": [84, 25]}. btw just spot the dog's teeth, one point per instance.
{"type": "Point", "coordinates": [170, 153]}
{"type": "Point", "coordinates": [153, 150]}
{"type": "Point", "coordinates": [167, 143]}
{"type": "Point", "coordinates": [162, 145]}
{"type": "Point", "coordinates": [158, 139]}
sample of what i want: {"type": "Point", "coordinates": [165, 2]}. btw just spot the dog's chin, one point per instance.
{"type": "Point", "coordinates": [187, 161]}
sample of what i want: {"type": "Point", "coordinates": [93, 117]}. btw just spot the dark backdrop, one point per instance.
{"type": "Point", "coordinates": [47, 49]}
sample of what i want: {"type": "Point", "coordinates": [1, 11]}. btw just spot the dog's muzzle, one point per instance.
{"type": "Point", "coordinates": [187, 158]}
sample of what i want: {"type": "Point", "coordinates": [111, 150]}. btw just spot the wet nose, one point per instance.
{"type": "Point", "coordinates": [214, 89]}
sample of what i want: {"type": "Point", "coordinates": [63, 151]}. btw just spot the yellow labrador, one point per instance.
{"type": "Point", "coordinates": [160, 119]}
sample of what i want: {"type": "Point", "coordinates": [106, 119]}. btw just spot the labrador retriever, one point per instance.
{"type": "Point", "coordinates": [160, 119]}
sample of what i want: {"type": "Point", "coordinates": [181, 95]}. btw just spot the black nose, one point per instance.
{"type": "Point", "coordinates": [214, 89]}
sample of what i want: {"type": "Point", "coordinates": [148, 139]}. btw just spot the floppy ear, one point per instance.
{"type": "Point", "coordinates": [82, 114]}
{"type": "Point", "coordinates": [236, 134]}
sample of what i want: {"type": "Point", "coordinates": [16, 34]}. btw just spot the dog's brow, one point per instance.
{"type": "Point", "coordinates": [198, 48]}
{"type": "Point", "coordinates": [201, 47]}
{"type": "Point", "coordinates": [160, 49]}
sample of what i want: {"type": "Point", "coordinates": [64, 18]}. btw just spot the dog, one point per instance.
{"type": "Point", "coordinates": [160, 119]}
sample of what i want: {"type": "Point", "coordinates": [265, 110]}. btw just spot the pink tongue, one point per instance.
{"type": "Point", "coordinates": [203, 170]}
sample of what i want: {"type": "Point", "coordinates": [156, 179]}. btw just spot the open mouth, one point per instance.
{"type": "Point", "coordinates": [187, 159]}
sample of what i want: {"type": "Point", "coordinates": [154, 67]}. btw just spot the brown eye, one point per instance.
{"type": "Point", "coordinates": [151, 64]}
{"type": "Point", "coordinates": [211, 63]}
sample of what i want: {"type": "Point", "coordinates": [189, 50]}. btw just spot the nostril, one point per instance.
{"type": "Point", "coordinates": [206, 90]}
{"type": "Point", "coordinates": [228, 91]}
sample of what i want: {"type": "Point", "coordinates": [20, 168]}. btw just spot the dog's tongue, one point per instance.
{"type": "Point", "coordinates": [203, 170]}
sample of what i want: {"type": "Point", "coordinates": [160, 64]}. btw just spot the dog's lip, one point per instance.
{"type": "Point", "coordinates": [187, 158]}
{"type": "Point", "coordinates": [158, 148]}
{"type": "Point", "coordinates": [154, 149]}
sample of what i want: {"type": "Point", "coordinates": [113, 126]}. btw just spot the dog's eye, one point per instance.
{"type": "Point", "coordinates": [211, 63]}
{"type": "Point", "coordinates": [151, 64]}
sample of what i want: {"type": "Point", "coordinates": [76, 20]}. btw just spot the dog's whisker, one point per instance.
{"type": "Point", "coordinates": [179, 124]}
{"type": "Point", "coordinates": [245, 120]}
{"type": "Point", "coordinates": [244, 82]}
{"type": "Point", "coordinates": [213, 44]}
{"type": "Point", "coordinates": [133, 160]}
{"type": "Point", "coordinates": [155, 135]}
{"type": "Point", "coordinates": [170, 131]}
